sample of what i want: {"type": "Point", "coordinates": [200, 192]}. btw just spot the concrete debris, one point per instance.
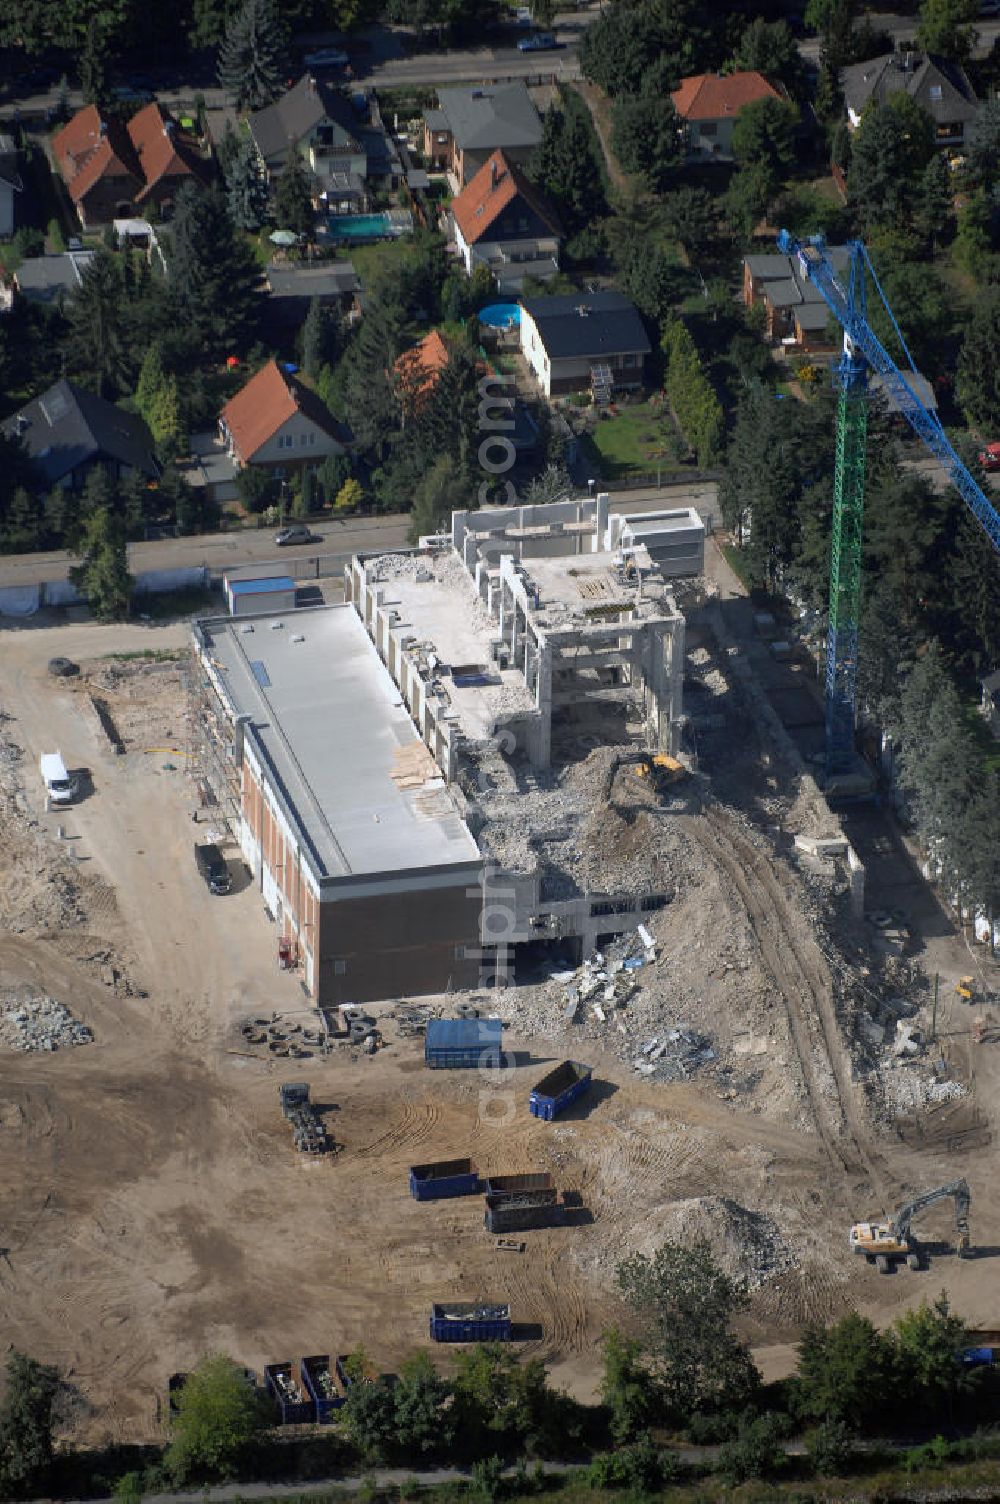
{"type": "Point", "coordinates": [746, 1244]}
{"type": "Point", "coordinates": [39, 1023]}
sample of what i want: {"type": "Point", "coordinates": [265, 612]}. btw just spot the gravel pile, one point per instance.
{"type": "Point", "coordinates": [40, 1023]}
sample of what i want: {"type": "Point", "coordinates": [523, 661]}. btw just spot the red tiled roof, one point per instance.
{"type": "Point", "coordinates": [266, 403]}
{"type": "Point", "coordinates": [160, 154]}
{"type": "Point", "coordinates": [497, 183]}
{"type": "Point", "coordinates": [88, 148]}
{"type": "Point", "coordinates": [711, 96]}
{"type": "Point", "coordinates": [420, 367]}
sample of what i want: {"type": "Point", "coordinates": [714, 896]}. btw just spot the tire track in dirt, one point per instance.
{"type": "Point", "coordinates": [804, 986]}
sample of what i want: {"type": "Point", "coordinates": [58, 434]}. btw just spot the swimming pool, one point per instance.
{"type": "Point", "coordinates": [361, 227]}
{"type": "Point", "coordinates": [501, 315]}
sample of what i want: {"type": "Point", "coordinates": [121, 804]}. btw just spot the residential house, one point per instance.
{"type": "Point", "coordinates": [794, 312]}
{"type": "Point", "coordinates": [470, 124]}
{"type": "Point", "coordinates": [278, 422]}
{"type": "Point", "coordinates": [68, 431]}
{"type": "Point", "coordinates": [584, 341]}
{"type": "Point", "coordinates": [294, 284]}
{"type": "Point", "coordinates": [708, 104]}
{"type": "Point", "coordinates": [10, 183]}
{"type": "Point", "coordinates": [51, 279]}
{"type": "Point", "coordinates": [111, 169]}
{"type": "Point", "coordinates": [502, 222]}
{"type": "Point", "coordinates": [939, 87]}
{"type": "Point", "coordinates": [318, 122]}
{"type": "Point", "coordinates": [990, 703]}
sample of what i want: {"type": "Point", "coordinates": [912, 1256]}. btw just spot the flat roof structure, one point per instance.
{"type": "Point", "coordinates": [262, 584]}
{"type": "Point", "coordinates": [355, 778]}
{"type": "Point", "coordinates": [436, 604]}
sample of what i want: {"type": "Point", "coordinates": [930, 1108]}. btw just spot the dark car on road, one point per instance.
{"type": "Point", "coordinates": [297, 533]}
{"type": "Point", "coordinates": [542, 41]}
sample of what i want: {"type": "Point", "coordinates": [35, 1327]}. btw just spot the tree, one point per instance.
{"type": "Point", "coordinates": [768, 47]}
{"type": "Point", "coordinates": [103, 578]}
{"type": "Point", "coordinates": [369, 1416]}
{"type": "Point", "coordinates": [213, 276]}
{"type": "Point", "coordinates": [944, 28]}
{"type": "Point", "coordinates": [96, 345]}
{"type": "Point", "coordinates": [218, 1415]}
{"type": "Point", "coordinates": [252, 54]}
{"type": "Point", "coordinates": [746, 199]}
{"type": "Point", "coordinates": [569, 166]}
{"type": "Point", "coordinates": [349, 496]}
{"type": "Point", "coordinates": [26, 1427]}
{"type": "Point", "coordinates": [423, 1425]}
{"type": "Point", "coordinates": [618, 48]}
{"type": "Point", "coordinates": [333, 472]}
{"type": "Point", "coordinates": [157, 399]}
{"type": "Point", "coordinates": [889, 153]}
{"type": "Point", "coordinates": [293, 206]}
{"type": "Point", "coordinates": [246, 186]}
{"type": "Point", "coordinates": [977, 381]}
{"type": "Point", "coordinates": [552, 484]}
{"type": "Point", "coordinates": [929, 1372]}
{"type": "Point", "coordinates": [627, 1388]}
{"type": "Point", "coordinates": [645, 138]}
{"type": "Point", "coordinates": [690, 216]}
{"type": "Point", "coordinates": [692, 398]}
{"type": "Point", "coordinates": [437, 495]}
{"type": "Point", "coordinates": [764, 136]}
{"type": "Point", "coordinates": [982, 162]}
{"type": "Point", "coordinates": [93, 65]}
{"type": "Point", "coordinates": [685, 1304]}
{"type": "Point", "coordinates": [321, 337]}
{"type": "Point", "coordinates": [974, 240]}
{"type": "Point", "coordinates": [842, 1372]}
{"type": "Point", "coordinates": [934, 201]}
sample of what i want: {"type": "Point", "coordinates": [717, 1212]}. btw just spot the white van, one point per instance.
{"type": "Point", "coordinates": [58, 785]}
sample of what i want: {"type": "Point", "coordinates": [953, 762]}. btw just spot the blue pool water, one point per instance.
{"type": "Point", "coordinates": [501, 315]}
{"type": "Point", "coordinates": [360, 226]}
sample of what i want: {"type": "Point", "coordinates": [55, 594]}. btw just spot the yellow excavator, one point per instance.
{"type": "Point", "coordinates": [662, 770]}
{"type": "Point", "coordinates": [885, 1244]}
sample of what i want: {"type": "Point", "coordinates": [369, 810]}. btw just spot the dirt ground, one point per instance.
{"type": "Point", "coordinates": [152, 1206]}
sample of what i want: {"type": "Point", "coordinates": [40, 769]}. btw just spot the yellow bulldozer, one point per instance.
{"type": "Point", "coordinates": [662, 770]}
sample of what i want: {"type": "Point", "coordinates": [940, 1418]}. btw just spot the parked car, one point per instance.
{"type": "Point", "coordinates": [542, 41]}
{"type": "Point", "coordinates": [327, 57]}
{"type": "Point", "coordinates": [213, 867]}
{"type": "Point", "coordinates": [297, 533]}
{"type": "Point", "coordinates": [989, 457]}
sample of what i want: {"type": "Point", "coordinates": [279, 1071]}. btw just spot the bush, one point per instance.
{"type": "Point", "coordinates": [757, 1452]}
{"type": "Point", "coordinates": [640, 1467]}
{"type": "Point", "coordinates": [830, 1448]}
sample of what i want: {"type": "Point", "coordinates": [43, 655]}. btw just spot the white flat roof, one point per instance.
{"type": "Point", "coordinates": [355, 776]}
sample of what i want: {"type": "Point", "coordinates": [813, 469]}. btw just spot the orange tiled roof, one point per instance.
{"type": "Point", "coordinates": [156, 147]}
{"type": "Point", "coordinates": [497, 183]}
{"type": "Point", "coordinates": [266, 403]}
{"type": "Point", "coordinates": [87, 148]}
{"type": "Point", "coordinates": [419, 367]}
{"type": "Point", "coordinates": [712, 96]}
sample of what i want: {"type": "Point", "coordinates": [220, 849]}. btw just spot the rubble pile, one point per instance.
{"type": "Point", "coordinates": [39, 1023]}
{"type": "Point", "coordinates": [745, 1244]}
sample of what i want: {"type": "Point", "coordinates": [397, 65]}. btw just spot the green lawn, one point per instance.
{"type": "Point", "coordinates": [638, 438]}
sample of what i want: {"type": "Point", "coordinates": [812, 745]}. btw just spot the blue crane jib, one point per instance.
{"type": "Point", "coordinates": [864, 352]}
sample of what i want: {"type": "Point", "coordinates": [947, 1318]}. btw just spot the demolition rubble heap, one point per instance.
{"type": "Point", "coordinates": [39, 1023]}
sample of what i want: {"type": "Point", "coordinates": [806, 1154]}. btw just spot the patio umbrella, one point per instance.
{"type": "Point", "coordinates": [283, 237]}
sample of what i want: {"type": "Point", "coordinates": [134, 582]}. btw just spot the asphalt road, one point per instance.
{"type": "Point", "coordinates": [340, 540]}
{"type": "Point", "coordinates": [904, 29]}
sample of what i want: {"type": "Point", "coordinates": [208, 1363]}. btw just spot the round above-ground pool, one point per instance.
{"type": "Point", "coordinates": [501, 315]}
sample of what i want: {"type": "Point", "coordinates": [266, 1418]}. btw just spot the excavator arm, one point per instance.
{"type": "Point", "coordinates": [958, 1191]}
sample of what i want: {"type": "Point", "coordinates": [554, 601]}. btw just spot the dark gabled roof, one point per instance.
{"type": "Point", "coordinates": [290, 119]}
{"type": "Point", "coordinates": [938, 86]}
{"type": "Point", "coordinates": [321, 279]}
{"type": "Point", "coordinates": [69, 426]}
{"type": "Point", "coordinates": [483, 119]}
{"type": "Point", "coordinates": [588, 324]}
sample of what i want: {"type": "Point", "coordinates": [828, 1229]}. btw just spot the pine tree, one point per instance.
{"type": "Point", "coordinates": [934, 201]}
{"type": "Point", "coordinates": [102, 577]}
{"type": "Point", "coordinates": [213, 275]}
{"type": "Point", "coordinates": [293, 206]}
{"type": "Point", "coordinates": [321, 337]}
{"type": "Point", "coordinates": [96, 344]}
{"type": "Point", "coordinates": [93, 65]}
{"type": "Point", "coordinates": [251, 55]}
{"type": "Point", "coordinates": [246, 186]}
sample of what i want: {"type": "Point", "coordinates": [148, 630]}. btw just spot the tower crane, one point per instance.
{"type": "Point", "coordinates": [864, 353]}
